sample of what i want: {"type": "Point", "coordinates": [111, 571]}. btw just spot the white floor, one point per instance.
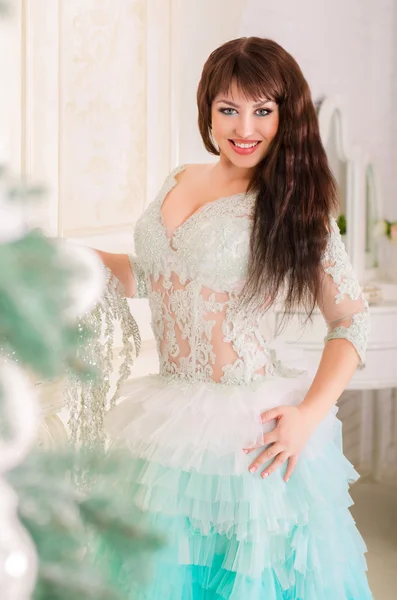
{"type": "Point", "coordinates": [375, 512]}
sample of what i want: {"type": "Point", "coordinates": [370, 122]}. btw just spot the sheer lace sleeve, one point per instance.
{"type": "Point", "coordinates": [139, 276]}
{"type": "Point", "coordinates": [341, 301]}
{"type": "Point", "coordinates": [88, 399]}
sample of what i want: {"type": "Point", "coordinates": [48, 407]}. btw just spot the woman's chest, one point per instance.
{"type": "Point", "coordinates": [211, 245]}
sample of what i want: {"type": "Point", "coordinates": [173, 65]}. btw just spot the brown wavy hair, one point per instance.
{"type": "Point", "coordinates": [296, 191]}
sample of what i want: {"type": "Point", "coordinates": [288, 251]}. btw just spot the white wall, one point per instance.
{"type": "Point", "coordinates": [84, 108]}
{"type": "Point", "coordinates": [10, 50]}
{"type": "Point", "coordinates": [343, 47]}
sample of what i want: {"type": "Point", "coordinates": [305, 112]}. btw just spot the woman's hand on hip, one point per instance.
{"type": "Point", "coordinates": [293, 429]}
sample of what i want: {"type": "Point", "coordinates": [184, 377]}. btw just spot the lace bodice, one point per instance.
{"type": "Point", "coordinates": [193, 275]}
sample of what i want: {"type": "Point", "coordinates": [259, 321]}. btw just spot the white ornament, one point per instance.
{"type": "Point", "coordinates": [87, 281]}
{"type": "Point", "coordinates": [20, 416]}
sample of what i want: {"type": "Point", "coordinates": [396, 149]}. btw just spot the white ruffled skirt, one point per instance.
{"type": "Point", "coordinates": [231, 534]}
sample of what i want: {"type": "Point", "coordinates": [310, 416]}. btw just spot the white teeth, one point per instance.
{"type": "Point", "coordinates": [246, 145]}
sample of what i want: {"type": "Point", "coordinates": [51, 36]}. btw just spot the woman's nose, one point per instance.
{"type": "Point", "coordinates": [244, 127]}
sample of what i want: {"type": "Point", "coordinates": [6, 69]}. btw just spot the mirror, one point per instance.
{"type": "Point", "coordinates": [339, 168]}
{"type": "Point", "coordinates": [332, 135]}
{"type": "Point", "coordinates": [347, 164]}
{"type": "Point", "coordinates": [372, 216]}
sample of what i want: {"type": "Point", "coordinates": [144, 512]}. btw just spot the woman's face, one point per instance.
{"type": "Point", "coordinates": [243, 129]}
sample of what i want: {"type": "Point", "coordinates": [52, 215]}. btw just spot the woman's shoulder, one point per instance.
{"type": "Point", "coordinates": [191, 170]}
{"type": "Point", "coordinates": [190, 174]}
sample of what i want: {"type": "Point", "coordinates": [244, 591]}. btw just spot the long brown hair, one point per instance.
{"type": "Point", "coordinates": [296, 191]}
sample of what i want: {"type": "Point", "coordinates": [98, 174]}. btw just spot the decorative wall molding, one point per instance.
{"type": "Point", "coordinates": [39, 106]}
{"type": "Point", "coordinates": [103, 113]}
{"type": "Point", "coordinates": [10, 96]}
{"type": "Point", "coordinates": [93, 117]}
{"type": "Point", "coordinates": [160, 73]}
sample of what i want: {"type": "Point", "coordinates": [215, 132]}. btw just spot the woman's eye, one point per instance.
{"type": "Point", "coordinates": [227, 111]}
{"type": "Point", "coordinates": [263, 112]}
{"type": "Point", "coordinates": [260, 112]}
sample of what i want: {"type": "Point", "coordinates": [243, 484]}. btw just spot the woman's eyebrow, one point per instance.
{"type": "Point", "coordinates": [225, 101]}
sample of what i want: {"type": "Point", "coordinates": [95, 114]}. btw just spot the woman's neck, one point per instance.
{"type": "Point", "coordinates": [226, 171]}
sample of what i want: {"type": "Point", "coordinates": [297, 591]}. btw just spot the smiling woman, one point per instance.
{"type": "Point", "coordinates": [235, 456]}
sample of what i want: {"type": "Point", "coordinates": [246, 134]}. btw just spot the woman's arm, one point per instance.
{"type": "Point", "coordinates": [338, 363]}
{"type": "Point", "coordinates": [346, 312]}
{"type": "Point", "coordinates": [127, 270]}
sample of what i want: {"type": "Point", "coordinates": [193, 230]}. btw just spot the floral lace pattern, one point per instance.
{"type": "Point", "coordinates": [140, 279]}
{"type": "Point", "coordinates": [192, 276]}
{"type": "Point", "coordinates": [337, 264]}
{"type": "Point", "coordinates": [356, 333]}
{"type": "Point", "coordinates": [343, 304]}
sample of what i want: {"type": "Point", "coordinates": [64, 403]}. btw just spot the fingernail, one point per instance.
{"type": "Point", "coordinates": [287, 480]}
{"type": "Point", "coordinates": [252, 469]}
{"type": "Point", "coordinates": [264, 475]}
{"type": "Point", "coordinates": [244, 450]}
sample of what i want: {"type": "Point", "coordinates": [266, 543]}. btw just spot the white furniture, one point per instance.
{"type": "Point", "coordinates": [381, 364]}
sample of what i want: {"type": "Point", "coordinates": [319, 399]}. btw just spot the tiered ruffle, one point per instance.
{"type": "Point", "coordinates": [232, 535]}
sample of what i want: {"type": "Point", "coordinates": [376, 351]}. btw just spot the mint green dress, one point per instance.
{"type": "Point", "coordinates": [230, 534]}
